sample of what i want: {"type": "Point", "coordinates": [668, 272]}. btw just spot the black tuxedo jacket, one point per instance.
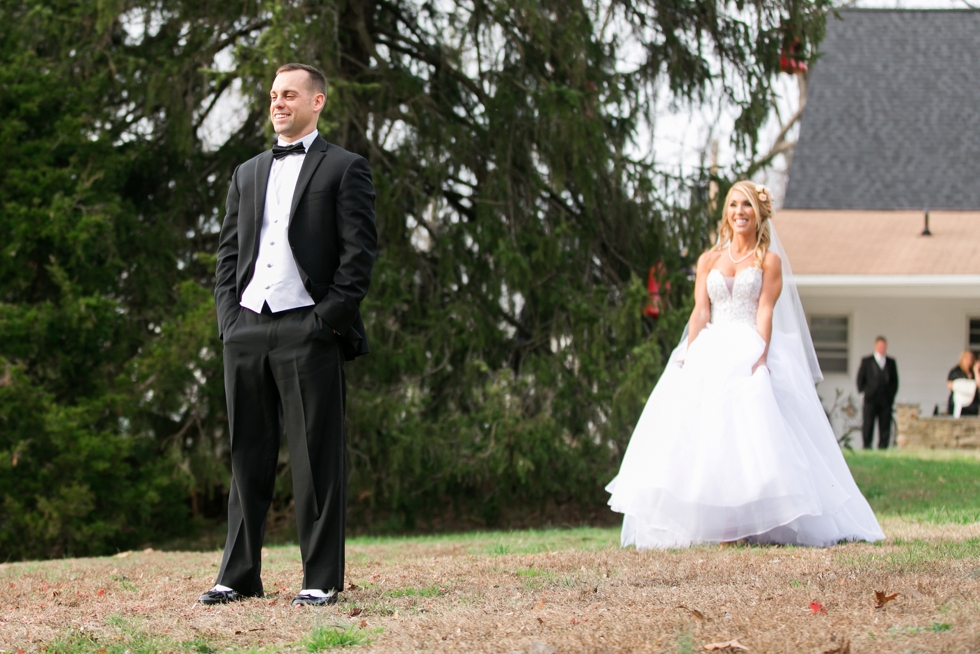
{"type": "Point", "coordinates": [331, 232]}
{"type": "Point", "coordinates": [878, 386]}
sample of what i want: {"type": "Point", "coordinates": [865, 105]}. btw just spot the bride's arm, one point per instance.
{"type": "Point", "coordinates": [772, 286]}
{"type": "Point", "coordinates": [702, 304]}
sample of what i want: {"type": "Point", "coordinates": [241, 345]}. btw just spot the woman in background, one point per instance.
{"type": "Point", "coordinates": [969, 400]}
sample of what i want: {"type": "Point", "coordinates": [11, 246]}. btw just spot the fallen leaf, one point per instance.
{"type": "Point", "coordinates": [352, 586]}
{"type": "Point", "coordinates": [355, 611]}
{"type": "Point", "coordinates": [539, 605]}
{"type": "Point", "coordinates": [101, 592]}
{"type": "Point", "coordinates": [123, 555]}
{"type": "Point", "coordinates": [697, 614]}
{"type": "Point", "coordinates": [363, 623]}
{"type": "Point", "coordinates": [817, 607]}
{"type": "Point", "coordinates": [882, 598]}
{"type": "Point", "coordinates": [731, 644]}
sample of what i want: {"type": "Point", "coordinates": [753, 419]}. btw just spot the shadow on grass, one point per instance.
{"type": "Point", "coordinates": [938, 487]}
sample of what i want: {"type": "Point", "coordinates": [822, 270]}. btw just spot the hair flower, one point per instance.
{"type": "Point", "coordinates": [763, 197]}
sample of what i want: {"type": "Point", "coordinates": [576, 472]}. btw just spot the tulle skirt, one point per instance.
{"type": "Point", "coordinates": [722, 454]}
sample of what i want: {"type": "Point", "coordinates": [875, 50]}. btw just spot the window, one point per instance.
{"type": "Point", "coordinates": [973, 339]}
{"type": "Point", "coordinates": [829, 334]}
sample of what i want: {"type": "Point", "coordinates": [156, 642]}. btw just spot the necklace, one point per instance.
{"type": "Point", "coordinates": [734, 260]}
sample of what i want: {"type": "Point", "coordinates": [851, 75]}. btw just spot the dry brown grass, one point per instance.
{"type": "Point", "coordinates": [478, 593]}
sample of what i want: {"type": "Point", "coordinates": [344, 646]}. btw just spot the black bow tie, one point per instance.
{"type": "Point", "coordinates": [280, 151]}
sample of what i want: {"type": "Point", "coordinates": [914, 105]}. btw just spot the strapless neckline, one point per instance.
{"type": "Point", "coordinates": [716, 270]}
{"type": "Point", "coordinates": [730, 281]}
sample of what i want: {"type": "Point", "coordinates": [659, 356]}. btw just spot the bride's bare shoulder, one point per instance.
{"type": "Point", "coordinates": [707, 260]}
{"type": "Point", "coordinates": [772, 263]}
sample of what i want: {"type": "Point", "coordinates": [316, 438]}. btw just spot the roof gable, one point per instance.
{"type": "Point", "coordinates": [892, 119]}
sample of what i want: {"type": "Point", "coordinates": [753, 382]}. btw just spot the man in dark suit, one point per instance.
{"type": "Point", "coordinates": [294, 262]}
{"type": "Point", "coordinates": [878, 380]}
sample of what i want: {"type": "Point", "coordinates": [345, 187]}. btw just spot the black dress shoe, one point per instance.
{"type": "Point", "coordinates": [313, 600]}
{"type": "Point", "coordinates": [219, 597]}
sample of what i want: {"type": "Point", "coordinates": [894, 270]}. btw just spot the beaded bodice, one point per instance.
{"type": "Point", "coordinates": [741, 303]}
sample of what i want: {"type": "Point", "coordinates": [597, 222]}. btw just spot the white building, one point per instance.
{"type": "Point", "coordinates": [891, 129]}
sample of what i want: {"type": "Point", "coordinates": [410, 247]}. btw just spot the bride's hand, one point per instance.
{"type": "Point", "coordinates": [761, 363]}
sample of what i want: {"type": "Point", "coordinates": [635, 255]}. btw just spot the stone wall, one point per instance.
{"type": "Point", "coordinates": [935, 432]}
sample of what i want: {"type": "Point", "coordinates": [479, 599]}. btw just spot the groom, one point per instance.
{"type": "Point", "coordinates": [294, 262]}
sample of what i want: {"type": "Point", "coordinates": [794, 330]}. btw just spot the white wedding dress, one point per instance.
{"type": "Point", "coordinates": [721, 453]}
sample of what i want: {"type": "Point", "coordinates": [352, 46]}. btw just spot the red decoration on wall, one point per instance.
{"type": "Point", "coordinates": [655, 302]}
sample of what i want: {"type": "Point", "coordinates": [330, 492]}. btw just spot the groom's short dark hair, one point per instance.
{"type": "Point", "coordinates": [318, 81]}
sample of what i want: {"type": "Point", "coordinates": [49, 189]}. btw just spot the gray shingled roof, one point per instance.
{"type": "Point", "coordinates": [892, 120]}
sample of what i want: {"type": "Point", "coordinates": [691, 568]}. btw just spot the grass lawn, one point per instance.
{"type": "Point", "coordinates": [932, 486]}
{"type": "Point", "coordinates": [550, 590]}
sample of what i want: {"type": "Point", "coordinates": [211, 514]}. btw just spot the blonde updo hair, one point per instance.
{"type": "Point", "coordinates": [761, 200]}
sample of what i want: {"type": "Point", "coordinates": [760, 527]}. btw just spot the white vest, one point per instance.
{"type": "Point", "coordinates": [276, 279]}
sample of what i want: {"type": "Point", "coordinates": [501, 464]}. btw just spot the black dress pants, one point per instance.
{"type": "Point", "coordinates": [285, 370]}
{"type": "Point", "coordinates": [882, 413]}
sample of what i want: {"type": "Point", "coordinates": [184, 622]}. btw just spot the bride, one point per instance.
{"type": "Point", "coordinates": [734, 442]}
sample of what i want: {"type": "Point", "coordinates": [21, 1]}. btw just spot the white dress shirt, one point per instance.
{"type": "Point", "coordinates": [276, 279]}
{"type": "Point", "coordinates": [880, 359]}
